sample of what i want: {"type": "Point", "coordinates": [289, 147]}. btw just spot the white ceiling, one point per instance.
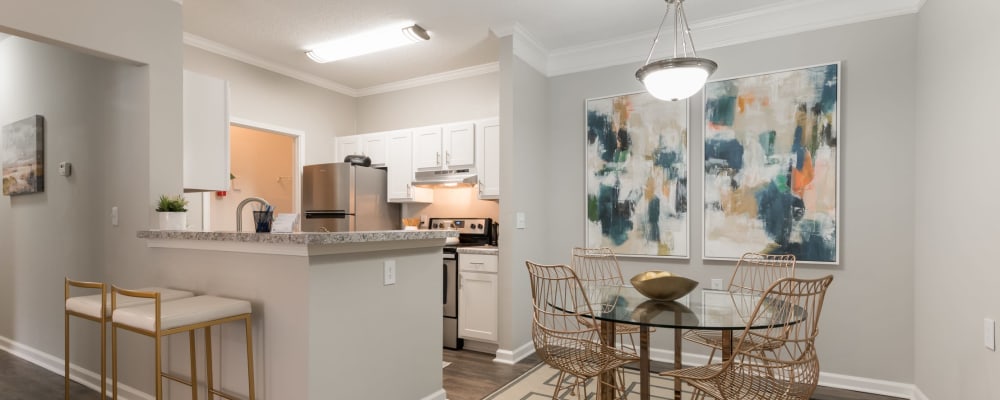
{"type": "Point", "coordinates": [556, 36]}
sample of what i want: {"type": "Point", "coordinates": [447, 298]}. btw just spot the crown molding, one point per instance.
{"type": "Point", "coordinates": [782, 19]}
{"type": "Point", "coordinates": [526, 46]}
{"type": "Point", "coordinates": [239, 55]}
{"type": "Point", "coordinates": [460, 73]}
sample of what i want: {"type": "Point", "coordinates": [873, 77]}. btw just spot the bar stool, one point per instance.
{"type": "Point", "coordinates": [163, 318]}
{"type": "Point", "coordinates": [90, 307]}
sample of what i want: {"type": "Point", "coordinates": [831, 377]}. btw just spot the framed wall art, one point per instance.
{"type": "Point", "coordinates": [636, 163]}
{"type": "Point", "coordinates": [772, 162]}
{"type": "Point", "coordinates": [23, 156]}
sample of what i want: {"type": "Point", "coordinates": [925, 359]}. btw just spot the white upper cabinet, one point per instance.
{"type": "Point", "coordinates": [399, 165]}
{"type": "Point", "coordinates": [346, 146]}
{"type": "Point", "coordinates": [488, 158]}
{"type": "Point", "coordinates": [444, 147]}
{"type": "Point", "coordinates": [459, 145]}
{"type": "Point", "coordinates": [427, 153]}
{"type": "Point", "coordinates": [373, 146]}
{"type": "Point", "coordinates": [206, 133]}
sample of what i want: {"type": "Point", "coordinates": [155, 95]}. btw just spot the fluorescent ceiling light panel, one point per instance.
{"type": "Point", "coordinates": [368, 42]}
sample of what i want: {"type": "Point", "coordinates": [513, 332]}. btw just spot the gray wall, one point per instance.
{"type": "Point", "coordinates": [524, 154]}
{"type": "Point", "coordinates": [267, 97]}
{"type": "Point", "coordinates": [133, 152]}
{"type": "Point", "coordinates": [956, 273]}
{"type": "Point", "coordinates": [90, 108]}
{"type": "Point", "coordinates": [452, 101]}
{"type": "Point", "coordinates": [868, 320]}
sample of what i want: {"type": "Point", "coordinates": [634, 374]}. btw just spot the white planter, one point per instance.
{"type": "Point", "coordinates": [173, 221]}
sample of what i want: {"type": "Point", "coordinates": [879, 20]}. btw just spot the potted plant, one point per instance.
{"type": "Point", "coordinates": [173, 212]}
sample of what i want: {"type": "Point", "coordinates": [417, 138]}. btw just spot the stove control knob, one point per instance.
{"type": "Point", "coordinates": [453, 225]}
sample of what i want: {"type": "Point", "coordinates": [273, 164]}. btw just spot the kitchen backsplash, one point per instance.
{"type": "Point", "coordinates": [459, 202]}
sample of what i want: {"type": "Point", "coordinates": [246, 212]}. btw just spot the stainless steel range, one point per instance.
{"type": "Point", "coordinates": [471, 232]}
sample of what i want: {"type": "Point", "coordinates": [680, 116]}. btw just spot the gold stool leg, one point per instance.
{"type": "Point", "coordinates": [104, 358]}
{"type": "Point", "coordinates": [249, 327]}
{"type": "Point", "coordinates": [194, 366]}
{"type": "Point", "coordinates": [208, 362]}
{"type": "Point", "coordinates": [66, 352]}
{"type": "Point", "coordinates": [114, 362]}
{"type": "Point", "coordinates": [159, 372]}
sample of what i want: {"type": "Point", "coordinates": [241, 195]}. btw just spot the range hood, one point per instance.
{"type": "Point", "coordinates": [450, 177]}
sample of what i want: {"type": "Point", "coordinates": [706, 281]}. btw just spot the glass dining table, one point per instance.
{"type": "Point", "coordinates": [714, 310]}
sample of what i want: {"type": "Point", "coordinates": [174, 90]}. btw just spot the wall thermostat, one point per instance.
{"type": "Point", "coordinates": [65, 168]}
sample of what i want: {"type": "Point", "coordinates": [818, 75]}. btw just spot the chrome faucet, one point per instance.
{"type": "Point", "coordinates": [239, 210]}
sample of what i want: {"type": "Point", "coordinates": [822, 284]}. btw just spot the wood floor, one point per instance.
{"type": "Point", "coordinates": [471, 376]}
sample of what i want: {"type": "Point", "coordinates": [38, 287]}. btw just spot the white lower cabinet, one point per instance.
{"type": "Point", "coordinates": [477, 297]}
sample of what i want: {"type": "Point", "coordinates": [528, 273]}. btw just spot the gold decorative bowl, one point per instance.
{"type": "Point", "coordinates": [662, 285]}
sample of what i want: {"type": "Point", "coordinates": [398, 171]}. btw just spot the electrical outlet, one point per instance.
{"type": "Point", "coordinates": [989, 334]}
{"type": "Point", "coordinates": [389, 272]}
{"type": "Point", "coordinates": [717, 284]}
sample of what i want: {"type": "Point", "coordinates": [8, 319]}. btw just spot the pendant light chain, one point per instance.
{"type": "Point", "coordinates": [657, 37]}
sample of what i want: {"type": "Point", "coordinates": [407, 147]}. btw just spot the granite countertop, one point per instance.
{"type": "Point", "coordinates": [487, 250]}
{"type": "Point", "coordinates": [305, 238]}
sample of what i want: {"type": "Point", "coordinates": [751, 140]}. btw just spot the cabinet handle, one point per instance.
{"type": "Point", "coordinates": [409, 192]}
{"type": "Point", "coordinates": [438, 157]}
{"type": "Point", "coordinates": [447, 157]}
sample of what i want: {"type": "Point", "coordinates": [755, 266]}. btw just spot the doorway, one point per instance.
{"type": "Point", "coordinates": [265, 162]}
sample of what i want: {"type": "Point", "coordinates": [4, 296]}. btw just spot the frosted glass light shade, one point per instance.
{"type": "Point", "coordinates": [675, 79]}
{"type": "Point", "coordinates": [368, 42]}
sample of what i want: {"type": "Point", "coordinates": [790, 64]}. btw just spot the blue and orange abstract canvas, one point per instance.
{"type": "Point", "coordinates": [636, 175]}
{"type": "Point", "coordinates": [772, 165]}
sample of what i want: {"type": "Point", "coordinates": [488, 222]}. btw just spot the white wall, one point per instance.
{"type": "Point", "coordinates": [137, 153]}
{"type": "Point", "coordinates": [90, 108]}
{"type": "Point", "coordinates": [263, 96]}
{"type": "Point", "coordinates": [452, 101]}
{"type": "Point", "coordinates": [956, 274]}
{"type": "Point", "coordinates": [868, 318]}
{"type": "Point", "coordinates": [525, 186]}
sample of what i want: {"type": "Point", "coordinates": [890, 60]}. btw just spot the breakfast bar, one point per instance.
{"type": "Point", "coordinates": [329, 308]}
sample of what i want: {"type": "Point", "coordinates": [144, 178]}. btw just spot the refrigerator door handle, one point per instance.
{"type": "Point", "coordinates": [341, 214]}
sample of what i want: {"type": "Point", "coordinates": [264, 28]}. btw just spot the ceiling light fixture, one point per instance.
{"type": "Point", "coordinates": [675, 78]}
{"type": "Point", "coordinates": [368, 42]}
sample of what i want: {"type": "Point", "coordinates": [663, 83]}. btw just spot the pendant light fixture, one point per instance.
{"type": "Point", "coordinates": [677, 77]}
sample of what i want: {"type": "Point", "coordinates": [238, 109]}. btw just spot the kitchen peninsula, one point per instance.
{"type": "Point", "coordinates": [327, 324]}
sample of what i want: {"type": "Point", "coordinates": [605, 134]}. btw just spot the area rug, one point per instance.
{"type": "Point", "coordinates": [540, 381]}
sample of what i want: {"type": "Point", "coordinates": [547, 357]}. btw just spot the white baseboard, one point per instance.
{"type": "Point", "coordinates": [511, 357]}
{"type": "Point", "coordinates": [438, 395]}
{"type": "Point", "coordinates": [827, 379]}
{"type": "Point", "coordinates": [77, 373]}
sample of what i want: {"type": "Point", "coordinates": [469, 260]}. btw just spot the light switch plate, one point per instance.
{"type": "Point", "coordinates": [114, 216]}
{"type": "Point", "coordinates": [989, 334]}
{"type": "Point", "coordinates": [717, 284]}
{"type": "Point", "coordinates": [389, 272]}
{"type": "Point", "coordinates": [520, 223]}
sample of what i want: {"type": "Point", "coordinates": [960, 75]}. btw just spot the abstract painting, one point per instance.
{"type": "Point", "coordinates": [636, 175]}
{"type": "Point", "coordinates": [23, 159]}
{"type": "Point", "coordinates": [772, 165]}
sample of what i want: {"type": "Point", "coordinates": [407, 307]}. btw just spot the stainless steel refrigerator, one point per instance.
{"type": "Point", "coordinates": [340, 197]}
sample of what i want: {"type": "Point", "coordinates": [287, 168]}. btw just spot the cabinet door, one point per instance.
{"type": "Point", "coordinates": [477, 306]}
{"type": "Point", "coordinates": [399, 165]}
{"type": "Point", "coordinates": [206, 133]}
{"type": "Point", "coordinates": [488, 158]}
{"type": "Point", "coordinates": [427, 149]}
{"type": "Point", "coordinates": [347, 145]}
{"type": "Point", "coordinates": [373, 146]}
{"type": "Point", "coordinates": [460, 146]}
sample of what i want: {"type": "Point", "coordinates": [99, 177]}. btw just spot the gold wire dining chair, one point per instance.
{"type": "Point", "coordinates": [599, 266]}
{"type": "Point", "coordinates": [787, 371]}
{"type": "Point", "coordinates": [753, 274]}
{"type": "Point", "coordinates": [561, 340]}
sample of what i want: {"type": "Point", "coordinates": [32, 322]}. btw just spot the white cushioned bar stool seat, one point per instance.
{"type": "Point", "coordinates": [89, 307]}
{"type": "Point", "coordinates": [159, 318]}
